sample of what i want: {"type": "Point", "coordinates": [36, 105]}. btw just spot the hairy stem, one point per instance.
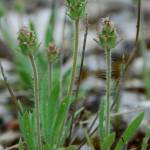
{"type": "Point", "coordinates": [75, 57]}
{"type": "Point", "coordinates": [108, 89]}
{"type": "Point", "coordinates": [80, 72]}
{"type": "Point", "coordinates": [36, 97]}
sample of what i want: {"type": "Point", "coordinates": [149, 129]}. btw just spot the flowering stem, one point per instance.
{"type": "Point", "coordinates": [108, 88]}
{"type": "Point", "coordinates": [36, 96]}
{"type": "Point", "coordinates": [75, 56]}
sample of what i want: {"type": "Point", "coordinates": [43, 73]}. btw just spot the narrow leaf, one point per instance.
{"type": "Point", "coordinates": [102, 121]}
{"type": "Point", "coordinates": [27, 126]}
{"type": "Point", "coordinates": [130, 131]}
{"type": "Point", "coordinates": [108, 141]}
{"type": "Point", "coordinates": [58, 125]}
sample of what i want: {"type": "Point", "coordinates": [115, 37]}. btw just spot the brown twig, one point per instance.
{"type": "Point", "coordinates": [82, 60]}
{"type": "Point", "coordinates": [137, 36]}
{"type": "Point", "coordinates": [16, 146]}
{"type": "Point", "coordinates": [92, 124]}
{"type": "Point", "coordinates": [13, 147]}
{"type": "Point", "coordinates": [7, 84]}
{"type": "Point", "coordinates": [10, 90]}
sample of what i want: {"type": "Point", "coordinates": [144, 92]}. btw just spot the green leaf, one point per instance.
{"type": "Point", "coordinates": [47, 147]}
{"type": "Point", "coordinates": [65, 132]}
{"type": "Point", "coordinates": [108, 141]}
{"type": "Point", "coordinates": [43, 106]}
{"type": "Point", "coordinates": [48, 36]}
{"type": "Point", "coordinates": [49, 106]}
{"type": "Point", "coordinates": [130, 131]}
{"type": "Point", "coordinates": [146, 78]}
{"type": "Point", "coordinates": [102, 121]}
{"type": "Point", "coordinates": [24, 69]}
{"type": "Point", "coordinates": [32, 27]}
{"type": "Point", "coordinates": [61, 117]}
{"type": "Point", "coordinates": [21, 146]}
{"type": "Point", "coordinates": [53, 103]}
{"type": "Point", "coordinates": [27, 126]}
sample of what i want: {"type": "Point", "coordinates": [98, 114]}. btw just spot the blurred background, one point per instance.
{"type": "Point", "coordinates": [134, 86]}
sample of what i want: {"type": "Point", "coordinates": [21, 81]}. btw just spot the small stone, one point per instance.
{"type": "Point", "coordinates": [1, 147]}
{"type": "Point", "coordinates": [9, 137]}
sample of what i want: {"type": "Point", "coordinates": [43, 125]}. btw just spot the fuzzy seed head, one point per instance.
{"type": "Point", "coordinates": [52, 52]}
{"type": "Point", "coordinates": [76, 9]}
{"type": "Point", "coordinates": [27, 41]}
{"type": "Point", "coordinates": [108, 34]}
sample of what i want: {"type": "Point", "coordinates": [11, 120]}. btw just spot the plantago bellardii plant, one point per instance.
{"type": "Point", "coordinates": [76, 11]}
{"type": "Point", "coordinates": [28, 45]}
{"type": "Point", "coordinates": [108, 40]}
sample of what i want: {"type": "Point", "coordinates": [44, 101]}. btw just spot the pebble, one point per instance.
{"type": "Point", "coordinates": [138, 65]}
{"type": "Point", "coordinates": [93, 83]}
{"type": "Point", "coordinates": [8, 137]}
{"type": "Point", "coordinates": [1, 147]}
{"type": "Point", "coordinates": [5, 114]}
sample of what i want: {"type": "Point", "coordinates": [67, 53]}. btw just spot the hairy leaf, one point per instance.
{"type": "Point", "coordinates": [27, 126]}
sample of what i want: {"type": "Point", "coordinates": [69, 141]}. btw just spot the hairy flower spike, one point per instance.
{"type": "Point", "coordinates": [52, 52]}
{"type": "Point", "coordinates": [108, 35]}
{"type": "Point", "coordinates": [76, 9]}
{"type": "Point", "coordinates": [27, 41]}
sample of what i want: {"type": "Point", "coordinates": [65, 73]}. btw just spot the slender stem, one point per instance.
{"type": "Point", "coordinates": [138, 25]}
{"type": "Point", "coordinates": [108, 88]}
{"type": "Point", "coordinates": [80, 72]}
{"type": "Point", "coordinates": [75, 57]}
{"type": "Point", "coordinates": [36, 97]}
{"type": "Point", "coordinates": [12, 147]}
{"type": "Point", "coordinates": [82, 59]}
{"type": "Point", "coordinates": [7, 85]}
{"type": "Point", "coordinates": [49, 76]}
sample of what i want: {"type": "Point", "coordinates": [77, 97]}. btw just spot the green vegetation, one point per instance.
{"type": "Point", "coordinates": [46, 126]}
